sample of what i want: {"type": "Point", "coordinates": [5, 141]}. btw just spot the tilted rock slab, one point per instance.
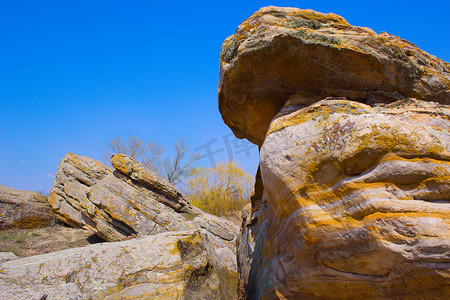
{"type": "Point", "coordinates": [75, 175]}
{"type": "Point", "coordinates": [118, 204]}
{"type": "Point", "coordinates": [351, 200]}
{"type": "Point", "coordinates": [24, 209]}
{"type": "Point", "coordinates": [170, 265]}
{"type": "Point", "coordinates": [134, 201]}
{"type": "Point", "coordinates": [287, 52]}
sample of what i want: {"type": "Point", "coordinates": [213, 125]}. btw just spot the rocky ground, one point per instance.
{"type": "Point", "coordinates": [350, 199]}
{"type": "Point", "coordinates": [153, 242]}
{"type": "Point", "coordinates": [35, 241]}
{"type": "Point", "coordinates": [29, 242]}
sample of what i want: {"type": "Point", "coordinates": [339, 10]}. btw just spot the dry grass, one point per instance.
{"type": "Point", "coordinates": [29, 242]}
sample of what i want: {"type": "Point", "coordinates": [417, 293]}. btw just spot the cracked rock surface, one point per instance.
{"type": "Point", "coordinates": [132, 201]}
{"type": "Point", "coordinates": [171, 265]}
{"type": "Point", "coordinates": [282, 52]}
{"type": "Point", "coordinates": [24, 209]}
{"type": "Point", "coordinates": [351, 199]}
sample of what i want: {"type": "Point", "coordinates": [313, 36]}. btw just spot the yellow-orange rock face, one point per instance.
{"type": "Point", "coordinates": [134, 201]}
{"type": "Point", "coordinates": [352, 197]}
{"type": "Point", "coordinates": [24, 209]}
{"type": "Point", "coordinates": [287, 52]}
{"type": "Point", "coordinates": [357, 202]}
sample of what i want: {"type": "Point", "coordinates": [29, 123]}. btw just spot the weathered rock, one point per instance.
{"type": "Point", "coordinates": [134, 201]}
{"type": "Point", "coordinates": [7, 256]}
{"type": "Point", "coordinates": [170, 265]}
{"type": "Point", "coordinates": [251, 241]}
{"type": "Point", "coordinates": [24, 209]}
{"type": "Point", "coordinates": [88, 194]}
{"type": "Point", "coordinates": [219, 237]}
{"type": "Point", "coordinates": [286, 52]}
{"type": "Point", "coordinates": [357, 203]}
{"type": "Point", "coordinates": [351, 200]}
{"type": "Point", "coordinates": [75, 175]}
{"type": "Point", "coordinates": [146, 179]}
{"type": "Point", "coordinates": [220, 227]}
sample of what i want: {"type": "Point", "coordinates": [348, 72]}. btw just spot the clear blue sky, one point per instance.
{"type": "Point", "coordinates": [73, 74]}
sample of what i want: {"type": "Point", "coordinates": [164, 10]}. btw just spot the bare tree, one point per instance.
{"type": "Point", "coordinates": [146, 153]}
{"type": "Point", "coordinates": [181, 165]}
{"type": "Point", "coordinates": [176, 169]}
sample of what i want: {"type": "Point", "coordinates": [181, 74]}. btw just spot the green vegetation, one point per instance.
{"type": "Point", "coordinates": [220, 190]}
{"type": "Point", "coordinates": [28, 242]}
{"type": "Point", "coordinates": [75, 244]}
{"type": "Point", "coordinates": [16, 238]}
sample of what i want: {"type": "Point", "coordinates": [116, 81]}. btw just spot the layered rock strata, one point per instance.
{"type": "Point", "coordinates": [24, 209]}
{"type": "Point", "coordinates": [131, 201]}
{"type": "Point", "coordinates": [171, 265]}
{"type": "Point", "coordinates": [351, 200]}
{"type": "Point", "coordinates": [75, 175]}
{"type": "Point", "coordinates": [365, 193]}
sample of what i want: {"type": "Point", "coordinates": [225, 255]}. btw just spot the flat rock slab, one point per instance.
{"type": "Point", "coordinates": [169, 265]}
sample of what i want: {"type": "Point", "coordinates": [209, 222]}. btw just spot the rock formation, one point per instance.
{"type": "Point", "coordinates": [281, 53]}
{"type": "Point", "coordinates": [24, 209]}
{"type": "Point", "coordinates": [132, 201]}
{"type": "Point", "coordinates": [74, 177]}
{"type": "Point", "coordinates": [351, 201]}
{"type": "Point", "coordinates": [7, 256]}
{"type": "Point", "coordinates": [171, 265]}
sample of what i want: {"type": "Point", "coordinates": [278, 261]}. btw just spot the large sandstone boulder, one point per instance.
{"type": "Point", "coordinates": [351, 200]}
{"type": "Point", "coordinates": [24, 209]}
{"type": "Point", "coordinates": [134, 201]}
{"type": "Point", "coordinates": [170, 265]}
{"type": "Point", "coordinates": [357, 201]}
{"type": "Point", "coordinates": [282, 52]}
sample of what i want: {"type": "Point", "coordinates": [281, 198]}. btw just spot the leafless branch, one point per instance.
{"type": "Point", "coordinates": [147, 153]}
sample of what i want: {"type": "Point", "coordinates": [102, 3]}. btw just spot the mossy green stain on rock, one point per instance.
{"type": "Point", "coordinates": [229, 50]}
{"type": "Point", "coordinates": [314, 38]}
{"type": "Point", "coordinates": [279, 51]}
{"type": "Point", "coordinates": [190, 247]}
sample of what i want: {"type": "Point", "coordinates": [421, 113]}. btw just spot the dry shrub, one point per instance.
{"type": "Point", "coordinates": [220, 190]}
